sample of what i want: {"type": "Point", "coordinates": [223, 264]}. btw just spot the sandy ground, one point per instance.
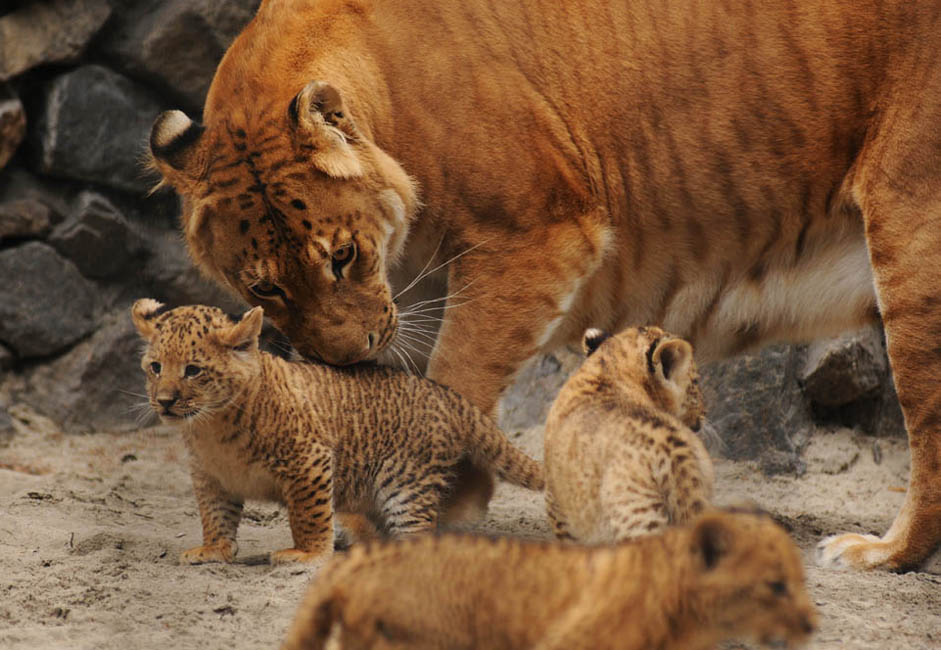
{"type": "Point", "coordinates": [91, 526]}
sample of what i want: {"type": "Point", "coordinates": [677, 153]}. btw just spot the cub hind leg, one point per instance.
{"type": "Point", "coordinates": [632, 505]}
{"type": "Point", "coordinates": [410, 501]}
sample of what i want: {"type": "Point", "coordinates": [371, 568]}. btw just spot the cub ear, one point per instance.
{"type": "Point", "coordinates": [322, 126]}
{"type": "Point", "coordinates": [670, 360]}
{"type": "Point", "coordinates": [711, 541]}
{"type": "Point", "coordinates": [592, 339]}
{"type": "Point", "coordinates": [143, 313]}
{"type": "Point", "coordinates": [173, 140]}
{"type": "Point", "coordinates": [243, 335]}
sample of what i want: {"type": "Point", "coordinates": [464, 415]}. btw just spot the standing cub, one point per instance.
{"type": "Point", "coordinates": [728, 575]}
{"type": "Point", "coordinates": [371, 440]}
{"type": "Point", "coordinates": [620, 453]}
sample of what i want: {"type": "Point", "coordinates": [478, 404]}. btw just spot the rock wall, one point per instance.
{"type": "Point", "coordinates": [81, 82]}
{"type": "Point", "coordinates": [80, 238]}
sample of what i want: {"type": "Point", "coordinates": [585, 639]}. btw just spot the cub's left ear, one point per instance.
{"type": "Point", "coordinates": [669, 361]}
{"type": "Point", "coordinates": [322, 128]}
{"type": "Point", "coordinates": [592, 339]}
{"type": "Point", "coordinates": [143, 313]}
{"type": "Point", "coordinates": [243, 335]}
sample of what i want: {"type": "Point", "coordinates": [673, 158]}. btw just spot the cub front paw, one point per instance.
{"type": "Point", "coordinates": [221, 552]}
{"type": "Point", "coordinates": [854, 551]}
{"type": "Point", "coordinates": [294, 556]}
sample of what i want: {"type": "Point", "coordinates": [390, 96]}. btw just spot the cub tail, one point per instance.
{"type": "Point", "coordinates": [489, 447]}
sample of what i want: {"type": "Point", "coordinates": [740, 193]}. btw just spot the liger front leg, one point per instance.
{"type": "Point", "coordinates": [220, 513]}
{"type": "Point", "coordinates": [307, 489]}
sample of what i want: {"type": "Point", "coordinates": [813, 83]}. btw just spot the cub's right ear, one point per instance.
{"type": "Point", "coordinates": [592, 339]}
{"type": "Point", "coordinates": [143, 314]}
{"type": "Point", "coordinates": [173, 141]}
{"type": "Point", "coordinates": [711, 541]}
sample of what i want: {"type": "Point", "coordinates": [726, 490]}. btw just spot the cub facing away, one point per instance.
{"type": "Point", "coordinates": [370, 440]}
{"type": "Point", "coordinates": [726, 575]}
{"type": "Point", "coordinates": [621, 456]}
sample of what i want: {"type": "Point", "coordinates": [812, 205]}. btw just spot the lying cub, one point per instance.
{"type": "Point", "coordinates": [371, 440]}
{"type": "Point", "coordinates": [621, 457]}
{"type": "Point", "coordinates": [727, 575]}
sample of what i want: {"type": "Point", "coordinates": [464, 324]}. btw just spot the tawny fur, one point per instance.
{"type": "Point", "coordinates": [621, 457]}
{"type": "Point", "coordinates": [369, 440]}
{"type": "Point", "coordinates": [725, 576]}
{"type": "Point", "coordinates": [734, 172]}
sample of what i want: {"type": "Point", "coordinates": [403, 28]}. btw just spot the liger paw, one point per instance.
{"type": "Point", "coordinates": [221, 552]}
{"type": "Point", "coordinates": [856, 552]}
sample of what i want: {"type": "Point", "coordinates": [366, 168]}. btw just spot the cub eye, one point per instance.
{"type": "Point", "coordinates": [155, 367]}
{"type": "Point", "coordinates": [191, 371]}
{"type": "Point", "coordinates": [777, 587]}
{"type": "Point", "coordinates": [266, 290]}
{"type": "Point", "coordinates": [341, 258]}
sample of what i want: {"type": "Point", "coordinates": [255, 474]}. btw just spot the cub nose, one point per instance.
{"type": "Point", "coordinates": [167, 402]}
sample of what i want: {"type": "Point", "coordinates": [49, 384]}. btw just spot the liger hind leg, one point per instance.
{"type": "Point", "coordinates": [898, 189]}
{"type": "Point", "coordinates": [219, 513]}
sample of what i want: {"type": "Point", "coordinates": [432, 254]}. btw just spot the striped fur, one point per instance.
{"type": "Point", "coordinates": [735, 172]}
{"type": "Point", "coordinates": [621, 458]}
{"type": "Point", "coordinates": [369, 440]}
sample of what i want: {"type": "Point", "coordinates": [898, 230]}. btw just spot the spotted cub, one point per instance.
{"type": "Point", "coordinates": [620, 453]}
{"type": "Point", "coordinates": [370, 440]}
{"type": "Point", "coordinates": [727, 575]}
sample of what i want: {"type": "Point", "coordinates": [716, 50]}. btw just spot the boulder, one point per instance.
{"type": "Point", "coordinates": [12, 122]}
{"type": "Point", "coordinates": [98, 385]}
{"type": "Point", "coordinates": [6, 359]}
{"type": "Point", "coordinates": [45, 303]}
{"type": "Point", "coordinates": [526, 403]}
{"type": "Point", "coordinates": [97, 237]}
{"type": "Point", "coordinates": [93, 127]}
{"type": "Point", "coordinates": [757, 407]}
{"type": "Point", "coordinates": [17, 183]}
{"type": "Point", "coordinates": [24, 219]}
{"type": "Point", "coordinates": [177, 43]}
{"type": "Point", "coordinates": [53, 31]}
{"type": "Point", "coordinates": [843, 369]}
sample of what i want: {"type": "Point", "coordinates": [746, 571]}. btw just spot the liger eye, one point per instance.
{"type": "Point", "coordinates": [777, 587]}
{"type": "Point", "coordinates": [191, 371]}
{"type": "Point", "coordinates": [155, 368]}
{"type": "Point", "coordinates": [265, 289]}
{"type": "Point", "coordinates": [341, 258]}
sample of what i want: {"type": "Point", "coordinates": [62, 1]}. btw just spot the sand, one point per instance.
{"type": "Point", "coordinates": [91, 527]}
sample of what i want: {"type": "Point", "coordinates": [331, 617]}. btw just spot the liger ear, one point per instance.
{"type": "Point", "coordinates": [173, 140]}
{"type": "Point", "coordinates": [322, 127]}
{"type": "Point", "coordinates": [592, 339]}
{"type": "Point", "coordinates": [711, 541]}
{"type": "Point", "coordinates": [670, 360]}
{"type": "Point", "coordinates": [143, 313]}
{"type": "Point", "coordinates": [243, 335]}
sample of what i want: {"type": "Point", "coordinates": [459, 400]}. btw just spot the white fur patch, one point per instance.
{"type": "Point", "coordinates": [171, 126]}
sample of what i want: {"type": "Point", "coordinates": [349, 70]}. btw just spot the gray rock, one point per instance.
{"type": "Point", "coordinates": [24, 218]}
{"type": "Point", "coordinates": [16, 184]}
{"type": "Point", "coordinates": [94, 127]}
{"type": "Point", "coordinates": [527, 402]}
{"type": "Point", "coordinates": [97, 385]}
{"type": "Point", "coordinates": [96, 237]}
{"type": "Point", "coordinates": [844, 369]}
{"type": "Point", "coordinates": [54, 31]}
{"type": "Point", "coordinates": [6, 358]}
{"type": "Point", "coordinates": [177, 43]}
{"type": "Point", "coordinates": [756, 405]}
{"type": "Point", "coordinates": [12, 123]}
{"type": "Point", "coordinates": [45, 303]}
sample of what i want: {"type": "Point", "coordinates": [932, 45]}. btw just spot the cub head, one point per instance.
{"type": "Point", "coordinates": [197, 358]}
{"type": "Point", "coordinates": [287, 203]}
{"type": "Point", "coordinates": [748, 579]}
{"type": "Point", "coordinates": [663, 364]}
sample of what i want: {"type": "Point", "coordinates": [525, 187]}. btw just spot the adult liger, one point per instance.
{"type": "Point", "coordinates": [733, 172]}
